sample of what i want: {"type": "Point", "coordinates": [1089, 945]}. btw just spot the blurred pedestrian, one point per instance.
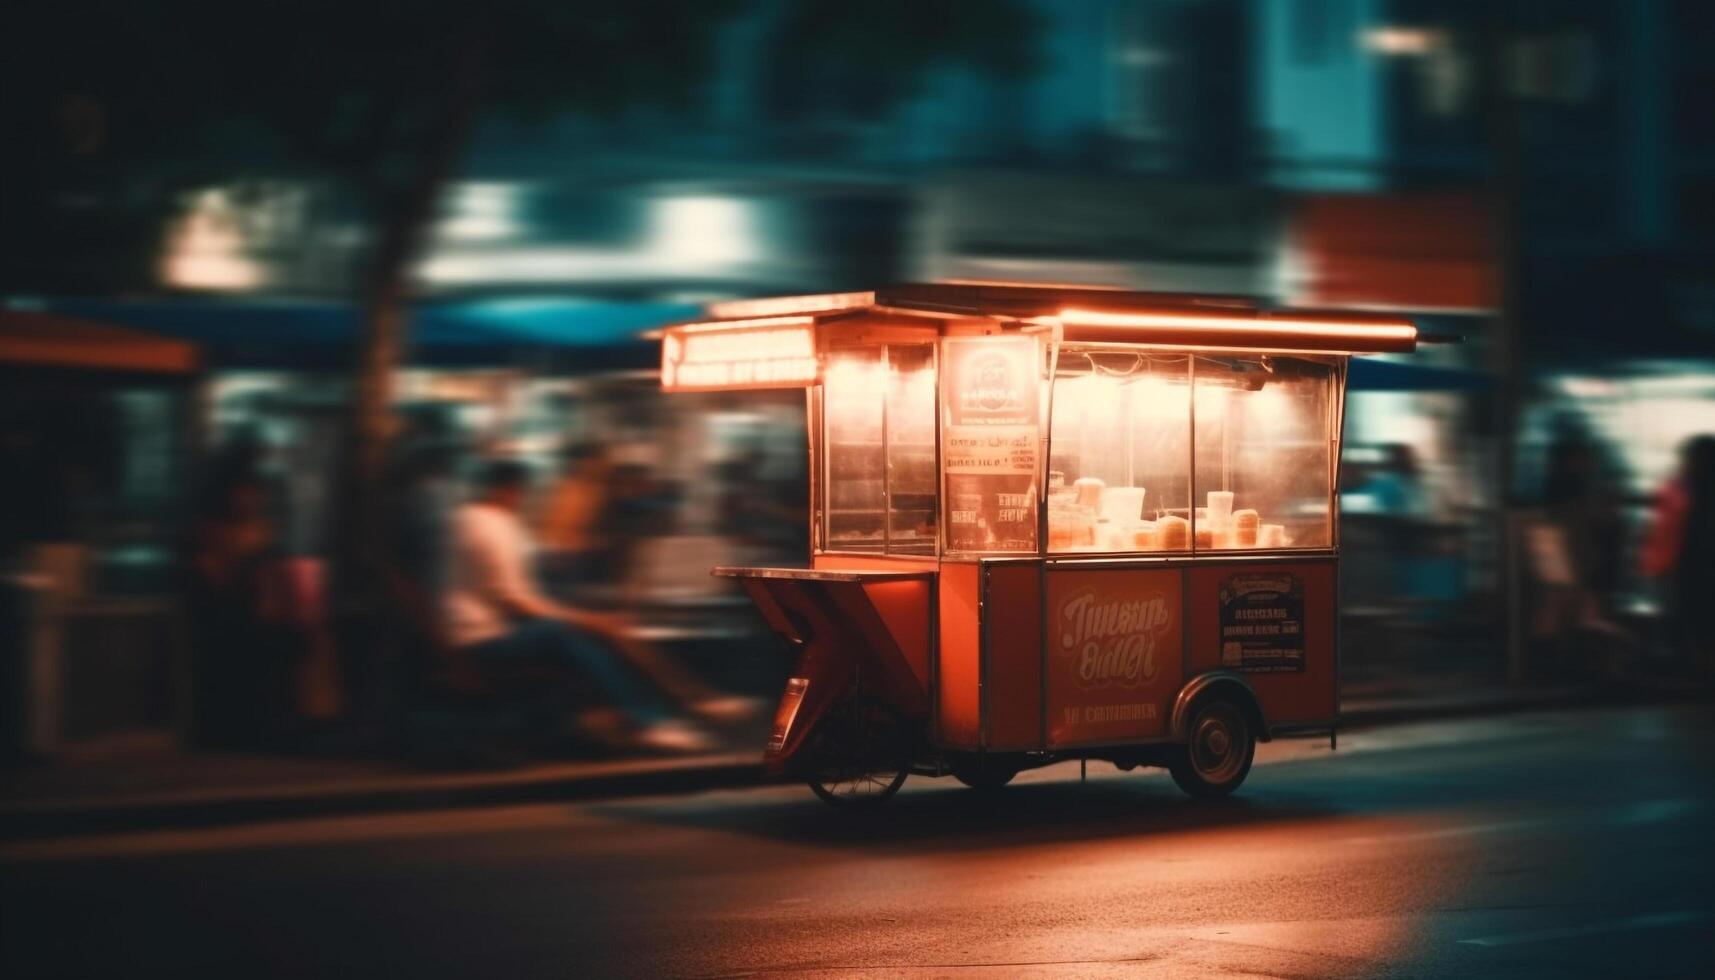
{"type": "Point", "coordinates": [1680, 552]}
{"type": "Point", "coordinates": [1397, 484]}
{"type": "Point", "coordinates": [640, 504]}
{"type": "Point", "coordinates": [1581, 497]}
{"type": "Point", "coordinates": [572, 538]}
{"type": "Point", "coordinates": [424, 492]}
{"type": "Point", "coordinates": [497, 616]}
{"type": "Point", "coordinates": [244, 691]}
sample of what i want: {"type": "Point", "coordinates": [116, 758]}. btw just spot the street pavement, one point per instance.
{"type": "Point", "coordinates": [1565, 844]}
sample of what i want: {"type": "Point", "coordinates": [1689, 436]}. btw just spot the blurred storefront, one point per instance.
{"type": "Point", "coordinates": [1417, 503]}
{"type": "Point", "coordinates": [95, 431]}
{"type": "Point", "coordinates": [1099, 229]}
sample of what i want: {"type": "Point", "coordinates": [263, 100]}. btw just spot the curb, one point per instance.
{"type": "Point", "coordinates": [584, 781]}
{"type": "Point", "coordinates": [1365, 714]}
{"type": "Point", "coordinates": [62, 818]}
{"type": "Point", "coordinates": [1362, 714]}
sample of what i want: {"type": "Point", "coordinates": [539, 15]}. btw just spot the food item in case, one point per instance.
{"type": "Point", "coordinates": [1070, 527]}
{"type": "Point", "coordinates": [1090, 492]}
{"type": "Point", "coordinates": [1220, 509]}
{"type": "Point", "coordinates": [1174, 533]}
{"type": "Point", "coordinates": [1205, 537]}
{"type": "Point", "coordinates": [1271, 536]}
{"type": "Point", "coordinates": [1246, 524]}
{"type": "Point", "coordinates": [1111, 536]}
{"type": "Point", "coordinates": [1122, 505]}
{"type": "Point", "coordinates": [1146, 536]}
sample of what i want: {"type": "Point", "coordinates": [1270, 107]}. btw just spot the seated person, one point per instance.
{"type": "Point", "coordinates": [496, 615]}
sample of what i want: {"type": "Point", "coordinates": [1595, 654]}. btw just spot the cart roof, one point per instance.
{"type": "Point", "coordinates": [782, 334]}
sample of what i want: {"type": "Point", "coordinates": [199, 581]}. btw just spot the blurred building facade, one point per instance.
{"type": "Point", "coordinates": [1538, 179]}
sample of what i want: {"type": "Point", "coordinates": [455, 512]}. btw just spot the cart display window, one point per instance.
{"type": "Point", "coordinates": [879, 429]}
{"type": "Point", "coordinates": [1265, 446]}
{"type": "Point", "coordinates": [1120, 474]}
{"type": "Point", "coordinates": [911, 476]}
{"type": "Point", "coordinates": [1155, 452]}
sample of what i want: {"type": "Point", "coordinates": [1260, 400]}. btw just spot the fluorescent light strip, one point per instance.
{"type": "Point", "coordinates": [779, 305]}
{"type": "Point", "coordinates": [1282, 326]}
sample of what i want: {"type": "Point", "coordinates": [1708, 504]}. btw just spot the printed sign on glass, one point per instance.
{"type": "Point", "coordinates": [990, 443]}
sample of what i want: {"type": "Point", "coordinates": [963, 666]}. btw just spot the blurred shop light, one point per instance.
{"type": "Point", "coordinates": [1585, 387]}
{"type": "Point", "coordinates": [1403, 41]}
{"type": "Point", "coordinates": [482, 212]}
{"type": "Point", "coordinates": [702, 232]}
{"type": "Point", "coordinates": [205, 247]}
{"type": "Point", "coordinates": [699, 235]}
{"type": "Point", "coordinates": [534, 264]}
{"type": "Point", "coordinates": [1644, 414]}
{"type": "Point", "coordinates": [777, 306]}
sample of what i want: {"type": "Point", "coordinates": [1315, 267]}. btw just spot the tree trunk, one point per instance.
{"type": "Point", "coordinates": [363, 559]}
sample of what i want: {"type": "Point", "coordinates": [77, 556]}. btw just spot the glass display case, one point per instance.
{"type": "Point", "coordinates": [878, 420]}
{"type": "Point", "coordinates": [1160, 452]}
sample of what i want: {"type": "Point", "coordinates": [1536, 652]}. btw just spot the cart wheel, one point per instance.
{"type": "Point", "coordinates": [987, 773]}
{"type": "Point", "coordinates": [1217, 757]}
{"type": "Point", "coordinates": [863, 754]}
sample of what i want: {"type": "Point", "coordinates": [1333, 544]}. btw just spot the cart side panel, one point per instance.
{"type": "Point", "coordinates": [1114, 653]}
{"type": "Point", "coordinates": [959, 675]}
{"type": "Point", "coordinates": [873, 643]}
{"type": "Point", "coordinates": [1012, 666]}
{"type": "Point", "coordinates": [904, 607]}
{"type": "Point", "coordinates": [1273, 624]}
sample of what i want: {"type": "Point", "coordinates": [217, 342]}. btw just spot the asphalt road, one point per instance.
{"type": "Point", "coordinates": [1551, 845]}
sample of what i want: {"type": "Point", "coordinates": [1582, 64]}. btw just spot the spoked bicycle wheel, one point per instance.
{"type": "Point", "coordinates": [862, 752]}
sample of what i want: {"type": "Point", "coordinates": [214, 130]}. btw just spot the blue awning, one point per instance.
{"type": "Point", "coordinates": [565, 333]}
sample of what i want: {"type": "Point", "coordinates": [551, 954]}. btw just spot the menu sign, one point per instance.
{"type": "Point", "coordinates": [759, 354]}
{"type": "Point", "coordinates": [1113, 653]}
{"type": "Point", "coordinates": [1262, 622]}
{"type": "Point", "coordinates": [991, 442]}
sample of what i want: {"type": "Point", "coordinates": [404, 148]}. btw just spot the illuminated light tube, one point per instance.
{"type": "Point", "coordinates": [1214, 329]}
{"type": "Point", "coordinates": [781, 305]}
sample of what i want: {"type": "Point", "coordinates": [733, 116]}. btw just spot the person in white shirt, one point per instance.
{"type": "Point", "coordinates": [496, 614]}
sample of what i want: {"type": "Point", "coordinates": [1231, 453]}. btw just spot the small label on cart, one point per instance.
{"type": "Point", "coordinates": [1262, 622]}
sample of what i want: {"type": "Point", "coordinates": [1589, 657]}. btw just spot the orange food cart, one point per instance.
{"type": "Point", "coordinates": [1048, 523]}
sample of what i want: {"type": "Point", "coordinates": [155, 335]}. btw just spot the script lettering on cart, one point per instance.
{"type": "Point", "coordinates": [1113, 642]}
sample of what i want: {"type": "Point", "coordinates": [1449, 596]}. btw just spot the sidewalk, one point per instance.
{"type": "Point", "coordinates": [132, 787]}
{"type": "Point", "coordinates": [129, 787]}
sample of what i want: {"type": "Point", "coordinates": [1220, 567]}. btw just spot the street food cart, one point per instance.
{"type": "Point", "coordinates": [1048, 523]}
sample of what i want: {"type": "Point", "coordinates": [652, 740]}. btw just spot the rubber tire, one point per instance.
{"type": "Point", "coordinates": [985, 774]}
{"type": "Point", "coordinates": [1194, 775]}
{"type": "Point", "coordinates": [900, 767]}
{"type": "Point", "coordinates": [859, 803]}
